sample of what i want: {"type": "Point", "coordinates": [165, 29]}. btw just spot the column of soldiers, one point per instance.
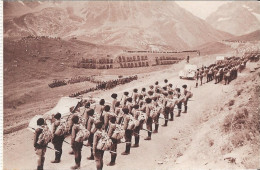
{"type": "Point", "coordinates": [223, 71]}
{"type": "Point", "coordinates": [106, 85]}
{"type": "Point", "coordinates": [102, 126]}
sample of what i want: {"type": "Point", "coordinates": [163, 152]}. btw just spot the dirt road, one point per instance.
{"type": "Point", "coordinates": [154, 154]}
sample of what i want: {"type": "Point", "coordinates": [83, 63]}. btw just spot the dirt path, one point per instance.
{"type": "Point", "coordinates": [154, 154]}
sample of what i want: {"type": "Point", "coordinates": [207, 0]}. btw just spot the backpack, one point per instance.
{"type": "Point", "coordinates": [153, 112]}
{"type": "Point", "coordinates": [131, 123]}
{"type": "Point", "coordinates": [82, 135]}
{"type": "Point", "coordinates": [104, 142]}
{"type": "Point", "coordinates": [62, 129]}
{"type": "Point", "coordinates": [118, 133]}
{"type": "Point", "coordinates": [45, 137]}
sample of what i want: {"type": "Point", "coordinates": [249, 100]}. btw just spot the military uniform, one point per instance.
{"type": "Point", "coordinates": [57, 142]}
{"type": "Point", "coordinates": [98, 154]}
{"type": "Point", "coordinates": [76, 146]}
{"type": "Point", "coordinates": [128, 134]}
{"type": "Point", "coordinates": [40, 149]}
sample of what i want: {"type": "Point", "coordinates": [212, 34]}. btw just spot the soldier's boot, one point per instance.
{"type": "Point", "coordinates": [91, 156]}
{"type": "Point", "coordinates": [149, 136]}
{"type": "Point", "coordinates": [171, 119]}
{"type": "Point", "coordinates": [165, 123]}
{"type": "Point", "coordinates": [57, 157]}
{"type": "Point", "coordinates": [42, 163]}
{"type": "Point", "coordinates": [179, 113]}
{"type": "Point", "coordinates": [127, 149]}
{"type": "Point", "coordinates": [113, 160]}
{"type": "Point", "coordinates": [185, 109]}
{"type": "Point", "coordinates": [137, 138]}
{"type": "Point", "coordinates": [156, 128]}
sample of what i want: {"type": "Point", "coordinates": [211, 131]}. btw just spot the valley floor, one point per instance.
{"type": "Point", "coordinates": [194, 140]}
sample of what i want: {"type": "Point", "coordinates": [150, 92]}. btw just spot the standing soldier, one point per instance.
{"type": "Point", "coordinates": [157, 86]}
{"type": "Point", "coordinates": [143, 92]}
{"type": "Point", "coordinates": [206, 74]}
{"type": "Point", "coordinates": [77, 146]}
{"type": "Point", "coordinates": [149, 120]}
{"type": "Point", "coordinates": [91, 128]}
{"type": "Point", "coordinates": [112, 127]}
{"type": "Point", "coordinates": [124, 98]}
{"type": "Point", "coordinates": [178, 101]}
{"type": "Point", "coordinates": [98, 154]}
{"type": "Point", "coordinates": [128, 132]}
{"type": "Point", "coordinates": [114, 96]}
{"type": "Point", "coordinates": [57, 139]}
{"type": "Point", "coordinates": [197, 77]}
{"type": "Point", "coordinates": [135, 96]}
{"type": "Point", "coordinates": [165, 109]}
{"type": "Point", "coordinates": [171, 104]}
{"type": "Point", "coordinates": [136, 131]}
{"type": "Point", "coordinates": [187, 95]}
{"type": "Point", "coordinates": [106, 115]}
{"type": "Point", "coordinates": [40, 149]}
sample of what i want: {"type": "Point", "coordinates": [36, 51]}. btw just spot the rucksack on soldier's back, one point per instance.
{"type": "Point", "coordinates": [45, 137]}
{"type": "Point", "coordinates": [62, 129]}
{"type": "Point", "coordinates": [83, 134]}
{"type": "Point", "coordinates": [104, 142]}
{"type": "Point", "coordinates": [118, 133]}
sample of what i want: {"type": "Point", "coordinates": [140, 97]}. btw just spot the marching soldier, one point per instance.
{"type": "Point", "coordinates": [165, 109]}
{"type": "Point", "coordinates": [57, 139]}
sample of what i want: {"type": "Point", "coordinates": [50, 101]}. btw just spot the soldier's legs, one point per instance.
{"type": "Point", "coordinates": [90, 142]}
{"type": "Point", "coordinates": [179, 109]}
{"type": "Point", "coordinates": [114, 154]}
{"type": "Point", "coordinates": [185, 105]}
{"type": "Point", "coordinates": [149, 127]}
{"type": "Point", "coordinates": [137, 137]}
{"type": "Point", "coordinates": [99, 159]}
{"type": "Point", "coordinates": [40, 158]}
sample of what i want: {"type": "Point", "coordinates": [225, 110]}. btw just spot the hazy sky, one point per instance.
{"type": "Point", "coordinates": [201, 9]}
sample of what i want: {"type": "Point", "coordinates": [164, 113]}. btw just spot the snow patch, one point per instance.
{"type": "Point", "coordinates": [256, 15]}
{"type": "Point", "coordinates": [21, 2]}
{"type": "Point", "coordinates": [224, 19]}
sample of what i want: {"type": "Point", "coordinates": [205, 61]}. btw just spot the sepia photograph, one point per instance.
{"type": "Point", "coordinates": [131, 85]}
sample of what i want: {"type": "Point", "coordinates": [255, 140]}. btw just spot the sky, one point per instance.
{"type": "Point", "coordinates": [201, 9]}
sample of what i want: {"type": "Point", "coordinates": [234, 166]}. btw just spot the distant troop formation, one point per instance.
{"type": "Point", "coordinates": [224, 70]}
{"type": "Point", "coordinates": [102, 126]}
{"type": "Point", "coordinates": [78, 79]}
{"type": "Point", "coordinates": [105, 85]}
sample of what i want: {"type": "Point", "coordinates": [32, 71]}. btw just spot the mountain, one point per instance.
{"type": "Point", "coordinates": [237, 18]}
{"type": "Point", "coordinates": [136, 24]}
{"type": "Point", "coordinates": [253, 36]}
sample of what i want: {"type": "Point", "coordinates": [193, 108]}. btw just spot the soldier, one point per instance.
{"type": "Point", "coordinates": [129, 104]}
{"type": "Point", "coordinates": [165, 109]}
{"type": "Point", "coordinates": [106, 115]}
{"type": "Point", "coordinates": [166, 82]}
{"type": "Point", "coordinates": [143, 92]}
{"type": "Point", "coordinates": [40, 149]}
{"type": "Point", "coordinates": [57, 139]}
{"type": "Point", "coordinates": [98, 154]}
{"type": "Point", "coordinates": [136, 131]}
{"type": "Point", "coordinates": [149, 120]}
{"type": "Point", "coordinates": [91, 128]}
{"type": "Point", "coordinates": [156, 114]}
{"type": "Point", "coordinates": [114, 96]}
{"type": "Point", "coordinates": [128, 132]}
{"type": "Point", "coordinates": [171, 105]}
{"type": "Point", "coordinates": [124, 98]}
{"type": "Point", "coordinates": [197, 77]}
{"type": "Point", "coordinates": [112, 127]}
{"type": "Point", "coordinates": [187, 95]}
{"type": "Point", "coordinates": [135, 96]}
{"type": "Point", "coordinates": [118, 113]}
{"type": "Point", "coordinates": [100, 107]}
{"type": "Point", "coordinates": [77, 146]}
{"type": "Point", "coordinates": [157, 86]}
{"type": "Point", "coordinates": [178, 102]}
